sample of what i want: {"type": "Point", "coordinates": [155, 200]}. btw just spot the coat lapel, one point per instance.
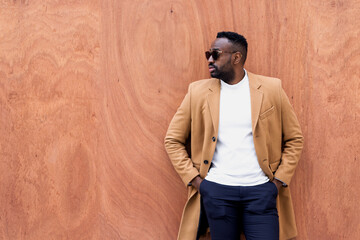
{"type": "Point", "coordinates": [256, 99]}
{"type": "Point", "coordinates": [213, 99]}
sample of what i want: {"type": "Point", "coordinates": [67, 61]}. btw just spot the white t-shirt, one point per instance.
{"type": "Point", "coordinates": [235, 162]}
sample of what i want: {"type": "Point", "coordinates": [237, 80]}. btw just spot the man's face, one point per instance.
{"type": "Point", "coordinates": [221, 67]}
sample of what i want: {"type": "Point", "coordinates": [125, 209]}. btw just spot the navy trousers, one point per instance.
{"type": "Point", "coordinates": [231, 210]}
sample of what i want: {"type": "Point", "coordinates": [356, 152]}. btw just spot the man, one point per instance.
{"type": "Point", "coordinates": [245, 144]}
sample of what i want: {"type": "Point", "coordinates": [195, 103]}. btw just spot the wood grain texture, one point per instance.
{"type": "Point", "coordinates": [88, 88]}
{"type": "Point", "coordinates": [49, 106]}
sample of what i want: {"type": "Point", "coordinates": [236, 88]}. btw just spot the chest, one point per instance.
{"type": "Point", "coordinates": [235, 109]}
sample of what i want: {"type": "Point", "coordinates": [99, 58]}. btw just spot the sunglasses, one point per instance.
{"type": "Point", "coordinates": [215, 54]}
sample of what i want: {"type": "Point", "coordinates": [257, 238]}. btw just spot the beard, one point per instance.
{"type": "Point", "coordinates": [225, 75]}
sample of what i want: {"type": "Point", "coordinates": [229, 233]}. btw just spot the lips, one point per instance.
{"type": "Point", "coordinates": [211, 68]}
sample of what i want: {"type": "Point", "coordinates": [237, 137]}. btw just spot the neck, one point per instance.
{"type": "Point", "coordinates": [237, 78]}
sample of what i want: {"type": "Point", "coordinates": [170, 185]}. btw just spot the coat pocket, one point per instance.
{"type": "Point", "coordinates": [267, 112]}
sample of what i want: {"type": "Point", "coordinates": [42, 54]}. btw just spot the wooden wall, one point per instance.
{"type": "Point", "coordinates": [87, 90]}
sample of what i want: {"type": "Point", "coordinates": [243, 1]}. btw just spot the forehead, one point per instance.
{"type": "Point", "coordinates": [221, 43]}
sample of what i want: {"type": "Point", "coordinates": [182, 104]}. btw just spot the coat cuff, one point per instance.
{"type": "Point", "coordinates": [190, 176]}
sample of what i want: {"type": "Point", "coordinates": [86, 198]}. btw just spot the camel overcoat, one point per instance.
{"type": "Point", "coordinates": [277, 138]}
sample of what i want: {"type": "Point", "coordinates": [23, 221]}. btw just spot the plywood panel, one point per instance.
{"type": "Point", "coordinates": [87, 89]}
{"type": "Point", "coordinates": [49, 53]}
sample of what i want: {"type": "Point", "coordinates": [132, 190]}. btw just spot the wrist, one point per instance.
{"type": "Point", "coordinates": [277, 183]}
{"type": "Point", "coordinates": [282, 183]}
{"type": "Point", "coordinates": [196, 182]}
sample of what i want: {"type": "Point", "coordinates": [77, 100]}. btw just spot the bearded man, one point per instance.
{"type": "Point", "coordinates": [245, 145]}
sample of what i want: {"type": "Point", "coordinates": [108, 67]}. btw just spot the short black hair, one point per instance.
{"type": "Point", "coordinates": [238, 40]}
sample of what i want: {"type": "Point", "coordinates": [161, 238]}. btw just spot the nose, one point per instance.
{"type": "Point", "coordinates": [210, 59]}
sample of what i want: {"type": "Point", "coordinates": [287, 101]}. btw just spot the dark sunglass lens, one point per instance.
{"type": "Point", "coordinates": [215, 55]}
{"type": "Point", "coordinates": [207, 55]}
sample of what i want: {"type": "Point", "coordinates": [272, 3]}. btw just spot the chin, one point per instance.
{"type": "Point", "coordinates": [214, 75]}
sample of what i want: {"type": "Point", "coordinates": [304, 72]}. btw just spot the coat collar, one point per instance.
{"type": "Point", "coordinates": [213, 99]}
{"type": "Point", "coordinates": [256, 95]}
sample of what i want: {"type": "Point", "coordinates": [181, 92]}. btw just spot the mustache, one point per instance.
{"type": "Point", "coordinates": [212, 65]}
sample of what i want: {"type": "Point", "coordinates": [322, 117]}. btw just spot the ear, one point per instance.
{"type": "Point", "coordinates": [237, 58]}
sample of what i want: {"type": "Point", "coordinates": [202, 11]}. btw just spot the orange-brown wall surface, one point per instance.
{"type": "Point", "coordinates": [88, 88]}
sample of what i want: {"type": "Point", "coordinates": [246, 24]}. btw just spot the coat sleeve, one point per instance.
{"type": "Point", "coordinates": [292, 139]}
{"type": "Point", "coordinates": [175, 139]}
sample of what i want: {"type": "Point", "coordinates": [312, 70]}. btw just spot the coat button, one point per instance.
{"type": "Point", "coordinates": [213, 139]}
{"type": "Point", "coordinates": [206, 161]}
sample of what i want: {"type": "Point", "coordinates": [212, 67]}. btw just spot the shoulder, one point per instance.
{"type": "Point", "coordinates": [265, 79]}
{"type": "Point", "coordinates": [269, 83]}
{"type": "Point", "coordinates": [203, 85]}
